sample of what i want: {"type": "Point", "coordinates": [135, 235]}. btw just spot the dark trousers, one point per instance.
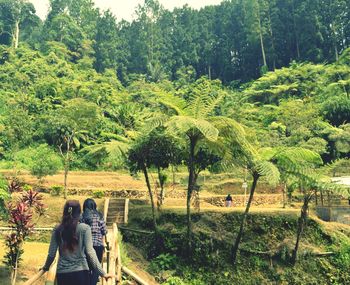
{"type": "Point", "coordinates": [73, 278]}
{"type": "Point", "coordinates": [94, 273]}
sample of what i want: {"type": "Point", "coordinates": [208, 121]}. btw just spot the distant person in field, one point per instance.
{"type": "Point", "coordinates": [228, 201]}
{"type": "Point", "coordinates": [74, 244]}
{"type": "Point", "coordinates": [95, 220]}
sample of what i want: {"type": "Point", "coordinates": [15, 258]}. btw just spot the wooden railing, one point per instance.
{"type": "Point", "coordinates": [50, 276]}
{"type": "Point", "coordinates": [105, 209]}
{"type": "Point", "coordinates": [114, 263]}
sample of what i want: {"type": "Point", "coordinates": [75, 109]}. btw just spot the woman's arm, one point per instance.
{"type": "Point", "coordinates": [52, 251]}
{"type": "Point", "coordinates": [91, 253]}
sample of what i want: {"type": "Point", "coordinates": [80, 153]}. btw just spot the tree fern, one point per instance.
{"type": "Point", "coordinates": [189, 125]}
{"type": "Point", "coordinates": [269, 170]}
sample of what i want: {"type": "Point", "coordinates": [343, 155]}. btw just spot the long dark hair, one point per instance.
{"type": "Point", "coordinates": [89, 209]}
{"type": "Point", "coordinates": [66, 231]}
{"type": "Point", "coordinates": [89, 204]}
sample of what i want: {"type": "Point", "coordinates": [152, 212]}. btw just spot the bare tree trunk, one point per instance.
{"type": "Point", "coordinates": [272, 39]}
{"type": "Point", "coordinates": [284, 190]}
{"type": "Point", "coordinates": [301, 225]}
{"type": "Point", "coordinates": [66, 159]}
{"type": "Point", "coordinates": [173, 172]}
{"type": "Point", "coordinates": [15, 269]}
{"type": "Point", "coordinates": [162, 190]}
{"type": "Point", "coordinates": [336, 53]}
{"type": "Point", "coordinates": [145, 173]}
{"type": "Point", "coordinates": [295, 31]}
{"type": "Point", "coordinates": [16, 35]}
{"type": "Point", "coordinates": [244, 218]}
{"type": "Point", "coordinates": [261, 38]}
{"type": "Point", "coordinates": [190, 186]}
{"type": "Point", "coordinates": [66, 170]}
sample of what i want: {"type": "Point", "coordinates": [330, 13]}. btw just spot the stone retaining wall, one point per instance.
{"type": "Point", "coordinates": [238, 200]}
{"type": "Point", "coordinates": [340, 214]}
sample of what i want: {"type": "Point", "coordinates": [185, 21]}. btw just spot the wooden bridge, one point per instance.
{"type": "Point", "coordinates": [115, 213]}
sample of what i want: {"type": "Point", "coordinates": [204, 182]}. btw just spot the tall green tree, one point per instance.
{"type": "Point", "coordinates": [15, 16]}
{"type": "Point", "coordinates": [193, 119]}
{"type": "Point", "coordinates": [69, 128]}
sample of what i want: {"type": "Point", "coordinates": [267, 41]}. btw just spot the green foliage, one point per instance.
{"type": "Point", "coordinates": [56, 190]}
{"type": "Point", "coordinates": [154, 150]}
{"type": "Point", "coordinates": [163, 262]}
{"type": "Point", "coordinates": [341, 259]}
{"type": "Point", "coordinates": [4, 196]}
{"type": "Point", "coordinates": [98, 194]}
{"type": "Point", "coordinates": [45, 162]}
{"type": "Point", "coordinates": [174, 281]}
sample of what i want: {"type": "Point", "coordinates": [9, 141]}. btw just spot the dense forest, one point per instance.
{"type": "Point", "coordinates": [82, 75]}
{"type": "Point", "coordinates": [235, 42]}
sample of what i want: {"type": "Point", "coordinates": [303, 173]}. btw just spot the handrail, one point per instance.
{"type": "Point", "coordinates": [50, 277]}
{"type": "Point", "coordinates": [113, 257]}
{"type": "Point", "coordinates": [38, 229]}
{"type": "Point", "coordinates": [119, 260]}
{"type": "Point", "coordinates": [134, 276]}
{"type": "Point", "coordinates": [35, 278]}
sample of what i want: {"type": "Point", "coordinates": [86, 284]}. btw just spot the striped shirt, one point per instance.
{"type": "Point", "coordinates": [98, 227]}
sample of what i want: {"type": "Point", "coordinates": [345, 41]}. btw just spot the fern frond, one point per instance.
{"type": "Point", "coordinates": [185, 124]}
{"type": "Point", "coordinates": [172, 102]}
{"type": "Point", "coordinates": [202, 104]}
{"type": "Point", "coordinates": [269, 170]}
{"type": "Point", "coordinates": [114, 149]}
{"type": "Point", "coordinates": [298, 155]}
{"type": "Point", "coordinates": [156, 121]}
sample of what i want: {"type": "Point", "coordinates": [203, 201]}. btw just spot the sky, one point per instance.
{"type": "Point", "coordinates": [124, 9]}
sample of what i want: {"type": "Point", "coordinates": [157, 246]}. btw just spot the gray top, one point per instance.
{"type": "Point", "coordinates": [78, 259]}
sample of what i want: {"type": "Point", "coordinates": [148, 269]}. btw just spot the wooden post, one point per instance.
{"type": "Point", "coordinates": [105, 210]}
{"type": "Point", "coordinates": [113, 255]}
{"type": "Point", "coordinates": [118, 256]}
{"type": "Point", "coordinates": [126, 211]}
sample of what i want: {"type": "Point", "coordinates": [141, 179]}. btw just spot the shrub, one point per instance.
{"type": "Point", "coordinates": [21, 222]}
{"type": "Point", "coordinates": [44, 162]}
{"type": "Point", "coordinates": [174, 281]}
{"type": "Point", "coordinates": [4, 196]}
{"type": "Point", "coordinates": [98, 194]}
{"type": "Point", "coordinates": [56, 190]}
{"type": "Point", "coordinates": [41, 161]}
{"type": "Point", "coordinates": [163, 262]}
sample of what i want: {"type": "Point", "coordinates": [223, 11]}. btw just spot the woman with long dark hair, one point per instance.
{"type": "Point", "coordinates": [74, 244]}
{"type": "Point", "coordinates": [95, 220]}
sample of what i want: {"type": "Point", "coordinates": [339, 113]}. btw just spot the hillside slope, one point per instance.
{"type": "Point", "coordinates": [264, 256]}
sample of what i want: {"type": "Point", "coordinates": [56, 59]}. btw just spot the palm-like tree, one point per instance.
{"type": "Point", "coordinates": [193, 120]}
{"type": "Point", "coordinates": [269, 162]}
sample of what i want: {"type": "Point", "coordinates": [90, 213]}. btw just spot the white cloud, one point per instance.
{"type": "Point", "coordinates": [125, 9]}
